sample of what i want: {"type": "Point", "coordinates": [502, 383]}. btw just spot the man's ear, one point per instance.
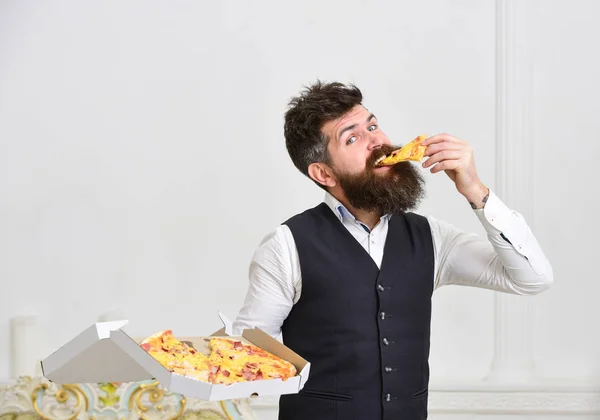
{"type": "Point", "coordinates": [322, 173]}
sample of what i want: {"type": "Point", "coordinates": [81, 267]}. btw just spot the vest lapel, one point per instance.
{"type": "Point", "coordinates": [355, 246]}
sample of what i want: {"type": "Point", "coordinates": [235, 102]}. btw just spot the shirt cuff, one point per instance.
{"type": "Point", "coordinates": [500, 221]}
{"type": "Point", "coordinates": [495, 215]}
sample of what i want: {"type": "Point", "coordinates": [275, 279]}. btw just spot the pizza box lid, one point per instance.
{"type": "Point", "coordinates": [105, 353]}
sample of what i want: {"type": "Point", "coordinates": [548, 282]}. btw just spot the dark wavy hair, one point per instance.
{"type": "Point", "coordinates": [316, 105]}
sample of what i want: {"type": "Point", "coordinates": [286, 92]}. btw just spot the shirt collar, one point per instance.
{"type": "Point", "coordinates": [340, 210]}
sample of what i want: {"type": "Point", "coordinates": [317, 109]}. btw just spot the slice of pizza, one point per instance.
{"type": "Point", "coordinates": [411, 151]}
{"type": "Point", "coordinates": [177, 356]}
{"type": "Point", "coordinates": [240, 362]}
{"type": "Point", "coordinates": [231, 362]}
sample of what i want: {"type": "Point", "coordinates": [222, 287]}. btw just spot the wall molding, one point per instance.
{"type": "Point", "coordinates": [513, 359]}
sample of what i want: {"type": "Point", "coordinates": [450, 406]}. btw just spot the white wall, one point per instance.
{"type": "Point", "coordinates": [566, 205]}
{"type": "Point", "coordinates": [142, 160]}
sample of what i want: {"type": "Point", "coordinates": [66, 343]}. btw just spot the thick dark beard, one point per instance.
{"type": "Point", "coordinates": [398, 190]}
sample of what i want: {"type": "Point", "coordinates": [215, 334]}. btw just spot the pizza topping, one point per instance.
{"type": "Point", "coordinates": [229, 361]}
{"type": "Point", "coordinates": [248, 374]}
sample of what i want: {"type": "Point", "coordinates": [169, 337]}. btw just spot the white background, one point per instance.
{"type": "Point", "coordinates": [142, 158]}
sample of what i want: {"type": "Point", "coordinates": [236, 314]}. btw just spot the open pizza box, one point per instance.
{"type": "Point", "coordinates": [105, 353]}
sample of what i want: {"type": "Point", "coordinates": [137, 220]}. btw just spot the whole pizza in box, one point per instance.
{"type": "Point", "coordinates": [227, 361]}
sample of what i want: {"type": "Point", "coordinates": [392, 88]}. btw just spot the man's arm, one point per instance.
{"type": "Point", "coordinates": [510, 260]}
{"type": "Point", "coordinates": [274, 281]}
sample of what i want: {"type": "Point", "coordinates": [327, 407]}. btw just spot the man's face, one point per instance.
{"type": "Point", "coordinates": [355, 143]}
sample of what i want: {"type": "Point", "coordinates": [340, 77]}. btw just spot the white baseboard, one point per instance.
{"type": "Point", "coordinates": [515, 402]}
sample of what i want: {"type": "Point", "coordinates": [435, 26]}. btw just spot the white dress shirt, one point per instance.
{"type": "Point", "coordinates": [510, 260]}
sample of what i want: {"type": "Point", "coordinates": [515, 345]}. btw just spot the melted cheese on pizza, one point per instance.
{"type": "Point", "coordinates": [240, 362]}
{"type": "Point", "coordinates": [230, 360]}
{"type": "Point", "coordinates": [177, 356]}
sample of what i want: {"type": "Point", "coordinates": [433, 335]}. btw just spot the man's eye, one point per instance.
{"type": "Point", "coordinates": [372, 127]}
{"type": "Point", "coordinates": [351, 140]}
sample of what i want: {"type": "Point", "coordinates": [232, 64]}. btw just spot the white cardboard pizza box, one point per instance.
{"type": "Point", "coordinates": [105, 353]}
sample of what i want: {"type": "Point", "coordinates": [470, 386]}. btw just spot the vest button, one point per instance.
{"type": "Point", "coordinates": [385, 341]}
{"type": "Point", "coordinates": [388, 369]}
{"type": "Point", "coordinates": [380, 288]}
{"type": "Point", "coordinates": [388, 397]}
{"type": "Point", "coordinates": [382, 315]}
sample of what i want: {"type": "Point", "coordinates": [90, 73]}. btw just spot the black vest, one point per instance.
{"type": "Point", "coordinates": [365, 330]}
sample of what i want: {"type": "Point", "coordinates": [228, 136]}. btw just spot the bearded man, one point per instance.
{"type": "Point", "coordinates": [349, 282]}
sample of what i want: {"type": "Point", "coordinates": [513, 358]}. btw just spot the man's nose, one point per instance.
{"type": "Point", "coordinates": [375, 141]}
